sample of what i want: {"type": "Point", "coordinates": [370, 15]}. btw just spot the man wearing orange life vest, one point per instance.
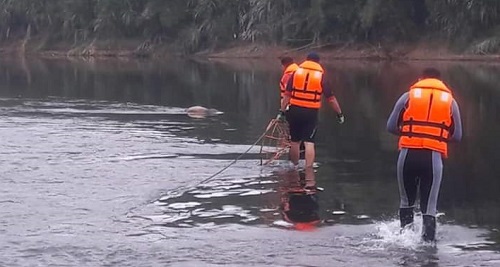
{"type": "Point", "coordinates": [426, 118]}
{"type": "Point", "coordinates": [289, 67]}
{"type": "Point", "coordinates": [303, 93]}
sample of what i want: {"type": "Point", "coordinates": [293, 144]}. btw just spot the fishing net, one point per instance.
{"type": "Point", "coordinates": [275, 143]}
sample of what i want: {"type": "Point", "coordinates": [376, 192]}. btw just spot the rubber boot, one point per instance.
{"type": "Point", "coordinates": [405, 216]}
{"type": "Point", "coordinates": [429, 228]}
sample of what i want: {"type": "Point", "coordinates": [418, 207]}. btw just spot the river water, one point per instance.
{"type": "Point", "coordinates": [101, 166]}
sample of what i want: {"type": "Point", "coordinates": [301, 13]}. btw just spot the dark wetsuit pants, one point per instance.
{"type": "Point", "coordinates": [302, 122]}
{"type": "Point", "coordinates": [419, 170]}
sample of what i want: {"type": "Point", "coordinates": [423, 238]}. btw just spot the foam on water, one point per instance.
{"type": "Point", "coordinates": [338, 212]}
{"type": "Point", "coordinates": [282, 223]}
{"type": "Point", "coordinates": [389, 234]}
{"type": "Point", "coordinates": [150, 156]}
{"type": "Point", "coordinates": [215, 194]}
{"type": "Point", "coordinates": [183, 205]}
{"type": "Point", "coordinates": [256, 192]}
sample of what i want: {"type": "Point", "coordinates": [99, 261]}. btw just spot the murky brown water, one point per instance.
{"type": "Point", "coordinates": [102, 167]}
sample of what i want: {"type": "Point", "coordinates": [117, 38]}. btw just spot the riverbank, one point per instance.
{"type": "Point", "coordinates": [341, 51]}
{"type": "Point", "coordinates": [353, 52]}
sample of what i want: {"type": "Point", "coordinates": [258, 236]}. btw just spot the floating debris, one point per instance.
{"type": "Point", "coordinates": [199, 112]}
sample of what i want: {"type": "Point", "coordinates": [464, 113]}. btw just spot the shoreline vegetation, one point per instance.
{"type": "Point", "coordinates": [250, 51]}
{"type": "Point", "coordinates": [222, 29]}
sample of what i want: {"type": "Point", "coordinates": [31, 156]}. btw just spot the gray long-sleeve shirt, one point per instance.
{"type": "Point", "coordinates": [394, 121]}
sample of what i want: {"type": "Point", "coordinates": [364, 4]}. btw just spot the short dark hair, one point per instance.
{"type": "Point", "coordinates": [431, 73]}
{"type": "Point", "coordinates": [313, 57]}
{"type": "Point", "coordinates": [285, 61]}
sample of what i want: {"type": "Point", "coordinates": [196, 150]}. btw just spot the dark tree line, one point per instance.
{"type": "Point", "coordinates": [193, 25]}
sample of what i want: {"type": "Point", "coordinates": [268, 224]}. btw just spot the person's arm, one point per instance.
{"type": "Point", "coordinates": [334, 104]}
{"type": "Point", "coordinates": [332, 101]}
{"type": "Point", "coordinates": [330, 98]}
{"type": "Point", "coordinates": [456, 131]}
{"type": "Point", "coordinates": [288, 93]}
{"type": "Point", "coordinates": [393, 121]}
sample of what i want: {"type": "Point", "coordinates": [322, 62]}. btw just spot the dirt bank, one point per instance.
{"type": "Point", "coordinates": [351, 51]}
{"type": "Point", "coordinates": [138, 48]}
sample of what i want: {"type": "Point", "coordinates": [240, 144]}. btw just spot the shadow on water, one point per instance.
{"type": "Point", "coordinates": [131, 122]}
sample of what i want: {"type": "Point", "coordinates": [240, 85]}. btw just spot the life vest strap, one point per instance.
{"type": "Point", "coordinates": [315, 95]}
{"type": "Point", "coordinates": [424, 135]}
{"type": "Point", "coordinates": [315, 100]}
{"type": "Point", "coordinates": [412, 122]}
{"type": "Point", "coordinates": [410, 133]}
{"type": "Point", "coordinates": [432, 88]}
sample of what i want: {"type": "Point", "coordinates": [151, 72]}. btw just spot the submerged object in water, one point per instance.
{"type": "Point", "coordinates": [201, 112]}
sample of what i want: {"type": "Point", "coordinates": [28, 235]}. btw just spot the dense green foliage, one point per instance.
{"type": "Point", "coordinates": [194, 25]}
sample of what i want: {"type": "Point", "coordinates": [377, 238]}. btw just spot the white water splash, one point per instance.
{"type": "Point", "coordinates": [389, 234]}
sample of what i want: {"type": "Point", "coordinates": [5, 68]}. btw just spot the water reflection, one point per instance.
{"type": "Point", "coordinates": [299, 198]}
{"type": "Point", "coordinates": [246, 93]}
{"type": "Point", "coordinates": [285, 198]}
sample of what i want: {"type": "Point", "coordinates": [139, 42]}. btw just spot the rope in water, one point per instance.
{"type": "Point", "coordinates": [183, 188]}
{"type": "Point", "coordinates": [233, 162]}
{"type": "Point", "coordinates": [180, 189]}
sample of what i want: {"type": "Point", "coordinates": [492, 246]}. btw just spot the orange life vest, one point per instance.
{"type": "Point", "coordinates": [307, 86]}
{"type": "Point", "coordinates": [427, 119]}
{"type": "Point", "coordinates": [286, 76]}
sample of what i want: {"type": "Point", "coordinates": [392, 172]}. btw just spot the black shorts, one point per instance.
{"type": "Point", "coordinates": [303, 122]}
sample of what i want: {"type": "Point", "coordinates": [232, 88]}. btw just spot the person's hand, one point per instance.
{"type": "Point", "coordinates": [340, 118]}
{"type": "Point", "coordinates": [280, 116]}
